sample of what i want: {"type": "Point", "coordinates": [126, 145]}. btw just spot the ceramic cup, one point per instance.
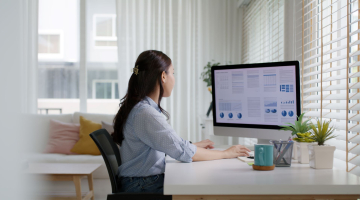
{"type": "Point", "coordinates": [263, 154]}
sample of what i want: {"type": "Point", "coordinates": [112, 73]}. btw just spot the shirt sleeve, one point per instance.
{"type": "Point", "coordinates": [151, 127]}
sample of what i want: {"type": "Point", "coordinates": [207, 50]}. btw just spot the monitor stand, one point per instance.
{"type": "Point", "coordinates": [263, 141]}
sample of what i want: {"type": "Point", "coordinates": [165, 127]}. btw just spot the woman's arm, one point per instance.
{"type": "Point", "coordinates": [207, 144]}
{"type": "Point", "coordinates": [202, 154]}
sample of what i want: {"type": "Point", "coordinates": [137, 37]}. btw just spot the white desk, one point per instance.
{"type": "Point", "coordinates": [228, 177]}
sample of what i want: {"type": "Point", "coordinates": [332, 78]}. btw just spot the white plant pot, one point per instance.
{"type": "Point", "coordinates": [294, 153]}
{"type": "Point", "coordinates": [303, 152]}
{"type": "Point", "coordinates": [321, 157]}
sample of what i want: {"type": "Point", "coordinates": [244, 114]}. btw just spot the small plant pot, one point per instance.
{"type": "Point", "coordinates": [303, 152]}
{"type": "Point", "coordinates": [294, 153]}
{"type": "Point", "coordinates": [321, 157]}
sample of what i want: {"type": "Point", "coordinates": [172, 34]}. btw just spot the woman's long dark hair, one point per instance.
{"type": "Point", "coordinates": [151, 64]}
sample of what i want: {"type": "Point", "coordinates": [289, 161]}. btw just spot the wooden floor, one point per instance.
{"type": "Point", "coordinates": [265, 197]}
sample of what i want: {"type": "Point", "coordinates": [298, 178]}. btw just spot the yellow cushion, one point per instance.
{"type": "Point", "coordinates": [86, 145]}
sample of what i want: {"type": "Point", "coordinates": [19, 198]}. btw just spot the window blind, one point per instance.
{"type": "Point", "coordinates": [330, 61]}
{"type": "Point", "coordinates": [263, 31]}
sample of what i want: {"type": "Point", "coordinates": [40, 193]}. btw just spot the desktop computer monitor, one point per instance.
{"type": "Point", "coordinates": [253, 100]}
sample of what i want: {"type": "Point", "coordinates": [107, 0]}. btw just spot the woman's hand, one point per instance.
{"type": "Point", "coordinates": [236, 151]}
{"type": "Point", "coordinates": [207, 144]}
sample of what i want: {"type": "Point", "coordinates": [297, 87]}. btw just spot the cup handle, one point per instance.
{"type": "Point", "coordinates": [261, 156]}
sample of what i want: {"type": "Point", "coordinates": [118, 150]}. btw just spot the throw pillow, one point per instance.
{"type": "Point", "coordinates": [86, 145]}
{"type": "Point", "coordinates": [63, 136]}
{"type": "Point", "coordinates": [109, 127]}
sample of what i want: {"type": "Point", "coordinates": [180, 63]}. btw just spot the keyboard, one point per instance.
{"type": "Point", "coordinates": [246, 159]}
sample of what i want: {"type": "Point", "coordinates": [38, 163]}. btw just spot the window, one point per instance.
{"type": "Point", "coordinates": [105, 89]}
{"type": "Point", "coordinates": [50, 44]}
{"type": "Point", "coordinates": [263, 31]}
{"type": "Point", "coordinates": [105, 30]}
{"type": "Point", "coordinates": [58, 57]}
{"type": "Point", "coordinates": [60, 88]}
{"type": "Point", "coordinates": [330, 73]}
{"type": "Point", "coordinates": [101, 61]}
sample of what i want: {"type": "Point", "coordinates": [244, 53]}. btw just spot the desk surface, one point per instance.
{"type": "Point", "coordinates": [234, 177]}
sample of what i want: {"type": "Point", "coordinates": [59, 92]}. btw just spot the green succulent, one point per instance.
{"type": "Point", "coordinates": [304, 137]}
{"type": "Point", "coordinates": [298, 127]}
{"type": "Point", "coordinates": [321, 131]}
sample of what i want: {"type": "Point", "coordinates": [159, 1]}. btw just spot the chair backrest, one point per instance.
{"type": "Point", "coordinates": [111, 154]}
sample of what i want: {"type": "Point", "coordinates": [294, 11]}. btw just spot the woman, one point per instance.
{"type": "Point", "coordinates": [143, 133]}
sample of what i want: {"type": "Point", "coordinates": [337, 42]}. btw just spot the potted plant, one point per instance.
{"type": "Point", "coordinates": [321, 156]}
{"type": "Point", "coordinates": [206, 74]}
{"type": "Point", "coordinates": [301, 135]}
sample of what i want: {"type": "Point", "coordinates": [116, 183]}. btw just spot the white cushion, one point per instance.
{"type": "Point", "coordinates": [97, 118]}
{"type": "Point", "coordinates": [101, 172]}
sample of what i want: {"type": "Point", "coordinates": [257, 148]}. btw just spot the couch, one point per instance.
{"type": "Point", "coordinates": [38, 126]}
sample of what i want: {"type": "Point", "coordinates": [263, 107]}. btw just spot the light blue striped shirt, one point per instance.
{"type": "Point", "coordinates": [148, 137]}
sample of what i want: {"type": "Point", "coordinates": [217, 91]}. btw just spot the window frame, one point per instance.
{"type": "Point", "coordinates": [95, 81]}
{"type": "Point", "coordinates": [52, 56]}
{"type": "Point", "coordinates": [104, 38]}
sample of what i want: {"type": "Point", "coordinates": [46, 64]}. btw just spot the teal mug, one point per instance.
{"type": "Point", "coordinates": [264, 154]}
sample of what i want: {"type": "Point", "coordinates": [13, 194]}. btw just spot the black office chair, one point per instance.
{"type": "Point", "coordinates": [111, 154]}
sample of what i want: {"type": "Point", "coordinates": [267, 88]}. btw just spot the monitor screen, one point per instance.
{"type": "Point", "coordinates": [262, 95]}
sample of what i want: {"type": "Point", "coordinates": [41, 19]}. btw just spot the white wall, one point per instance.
{"type": "Point", "coordinates": [13, 184]}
